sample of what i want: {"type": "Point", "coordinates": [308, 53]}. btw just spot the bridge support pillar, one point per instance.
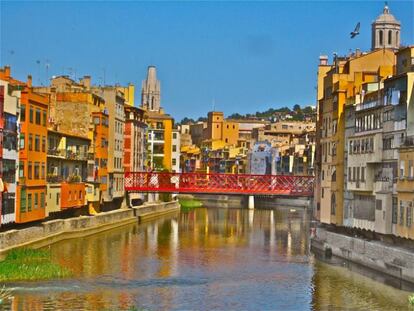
{"type": "Point", "coordinates": [251, 201]}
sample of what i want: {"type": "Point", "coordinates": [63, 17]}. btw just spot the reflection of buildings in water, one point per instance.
{"type": "Point", "coordinates": [337, 287]}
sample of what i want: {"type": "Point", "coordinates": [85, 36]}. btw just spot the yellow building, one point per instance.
{"type": "Point", "coordinates": [342, 84]}
{"type": "Point", "coordinates": [220, 129]}
{"type": "Point", "coordinates": [159, 140]}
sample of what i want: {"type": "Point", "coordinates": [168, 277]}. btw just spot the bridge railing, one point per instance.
{"type": "Point", "coordinates": [219, 183]}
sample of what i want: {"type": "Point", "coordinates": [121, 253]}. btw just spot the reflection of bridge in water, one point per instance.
{"type": "Point", "coordinates": [285, 185]}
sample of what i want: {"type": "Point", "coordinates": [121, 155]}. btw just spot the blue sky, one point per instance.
{"type": "Point", "coordinates": [243, 56]}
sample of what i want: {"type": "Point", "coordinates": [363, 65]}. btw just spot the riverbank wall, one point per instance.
{"type": "Point", "coordinates": [60, 229]}
{"type": "Point", "coordinates": [391, 260]}
{"type": "Point", "coordinates": [153, 210]}
{"type": "Point", "coordinates": [260, 201]}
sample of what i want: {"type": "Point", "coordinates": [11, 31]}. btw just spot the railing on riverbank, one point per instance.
{"type": "Point", "coordinates": [219, 183]}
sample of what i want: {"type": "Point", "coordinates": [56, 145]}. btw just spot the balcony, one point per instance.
{"type": "Point", "coordinates": [408, 142]}
{"type": "Point", "coordinates": [368, 105]}
{"type": "Point", "coordinates": [53, 179]}
{"type": "Point", "coordinates": [76, 155]}
{"type": "Point", "coordinates": [383, 186]}
{"type": "Point", "coordinates": [60, 153]}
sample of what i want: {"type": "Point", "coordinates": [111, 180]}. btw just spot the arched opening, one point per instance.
{"type": "Point", "coordinates": [389, 36]}
{"type": "Point", "coordinates": [397, 39]}
{"type": "Point", "coordinates": [380, 35]}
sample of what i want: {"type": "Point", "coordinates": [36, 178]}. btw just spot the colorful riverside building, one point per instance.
{"type": "Point", "coordinates": [134, 146]}
{"type": "Point", "coordinates": [342, 84]}
{"type": "Point", "coordinates": [9, 110]}
{"type": "Point", "coordinates": [1, 150]}
{"type": "Point", "coordinates": [98, 184]}
{"type": "Point", "coordinates": [24, 163]}
{"type": "Point", "coordinates": [31, 189]}
{"type": "Point", "coordinates": [114, 104]}
{"type": "Point", "coordinates": [365, 130]}
{"type": "Point", "coordinates": [78, 135]}
{"type": "Point", "coordinates": [67, 157]}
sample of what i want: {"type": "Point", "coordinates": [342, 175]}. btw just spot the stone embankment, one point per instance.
{"type": "Point", "coordinates": [60, 229]}
{"type": "Point", "coordinates": [391, 260]}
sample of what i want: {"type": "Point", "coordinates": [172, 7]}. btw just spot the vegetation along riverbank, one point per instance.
{"type": "Point", "coordinates": [30, 265]}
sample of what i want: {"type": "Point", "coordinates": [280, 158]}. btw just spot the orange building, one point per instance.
{"type": "Point", "coordinates": [31, 190]}
{"type": "Point", "coordinates": [101, 135]}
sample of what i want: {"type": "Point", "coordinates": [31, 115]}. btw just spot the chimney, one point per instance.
{"type": "Point", "coordinates": [86, 82]}
{"type": "Point", "coordinates": [7, 71]}
{"type": "Point", "coordinates": [29, 81]}
{"type": "Point", "coordinates": [323, 60]}
{"type": "Point", "coordinates": [358, 52]}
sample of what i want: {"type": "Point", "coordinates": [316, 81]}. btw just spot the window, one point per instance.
{"type": "Point", "coordinates": [402, 166]}
{"type": "Point", "coordinates": [44, 118]}
{"type": "Point", "coordinates": [21, 143]}
{"type": "Point", "coordinates": [389, 36]}
{"type": "Point", "coordinates": [96, 120]}
{"type": "Point", "coordinates": [21, 169]}
{"type": "Point", "coordinates": [30, 142]}
{"type": "Point", "coordinates": [333, 204]}
{"type": "Point", "coordinates": [381, 39]}
{"type": "Point", "coordinates": [22, 113]}
{"type": "Point", "coordinates": [378, 205]}
{"type": "Point", "coordinates": [23, 200]}
{"type": "Point", "coordinates": [409, 218]}
{"type": "Point", "coordinates": [43, 144]}
{"type": "Point", "coordinates": [80, 194]}
{"type": "Point", "coordinates": [57, 199]}
{"type": "Point", "coordinates": [42, 200]}
{"type": "Point", "coordinates": [9, 171]}
{"type": "Point", "coordinates": [174, 161]}
{"type": "Point", "coordinates": [410, 169]}
{"type": "Point", "coordinates": [37, 170]}
{"type": "Point", "coordinates": [36, 200]}
{"type": "Point", "coordinates": [323, 192]}
{"type": "Point", "coordinates": [31, 114]}
{"type": "Point", "coordinates": [217, 126]}
{"type": "Point", "coordinates": [43, 172]}
{"type": "Point", "coordinates": [401, 213]}
{"type": "Point", "coordinates": [175, 135]}
{"type": "Point", "coordinates": [29, 202]}
{"type": "Point", "coordinates": [394, 210]}
{"type": "Point", "coordinates": [30, 170]}
{"type": "Point", "coordinates": [362, 173]}
{"type": "Point", "coordinates": [37, 143]}
{"type": "Point", "coordinates": [174, 148]}
{"type": "Point", "coordinates": [349, 173]}
{"type": "Point", "coordinates": [38, 117]}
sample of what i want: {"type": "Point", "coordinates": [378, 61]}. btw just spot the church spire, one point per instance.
{"type": "Point", "coordinates": [151, 91]}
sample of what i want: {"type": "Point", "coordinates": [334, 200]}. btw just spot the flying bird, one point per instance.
{"type": "Point", "coordinates": [356, 31]}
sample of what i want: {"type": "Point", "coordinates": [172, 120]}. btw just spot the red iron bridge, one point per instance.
{"type": "Point", "coordinates": [219, 183]}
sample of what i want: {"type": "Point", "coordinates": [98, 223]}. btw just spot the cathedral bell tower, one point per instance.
{"type": "Point", "coordinates": [386, 31]}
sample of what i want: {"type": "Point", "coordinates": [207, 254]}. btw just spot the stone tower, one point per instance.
{"type": "Point", "coordinates": [151, 91]}
{"type": "Point", "coordinates": [386, 31]}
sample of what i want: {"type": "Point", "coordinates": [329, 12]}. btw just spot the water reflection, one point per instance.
{"type": "Point", "coordinates": [204, 259]}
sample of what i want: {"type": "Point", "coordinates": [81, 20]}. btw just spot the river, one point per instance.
{"type": "Point", "coordinates": [205, 259]}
